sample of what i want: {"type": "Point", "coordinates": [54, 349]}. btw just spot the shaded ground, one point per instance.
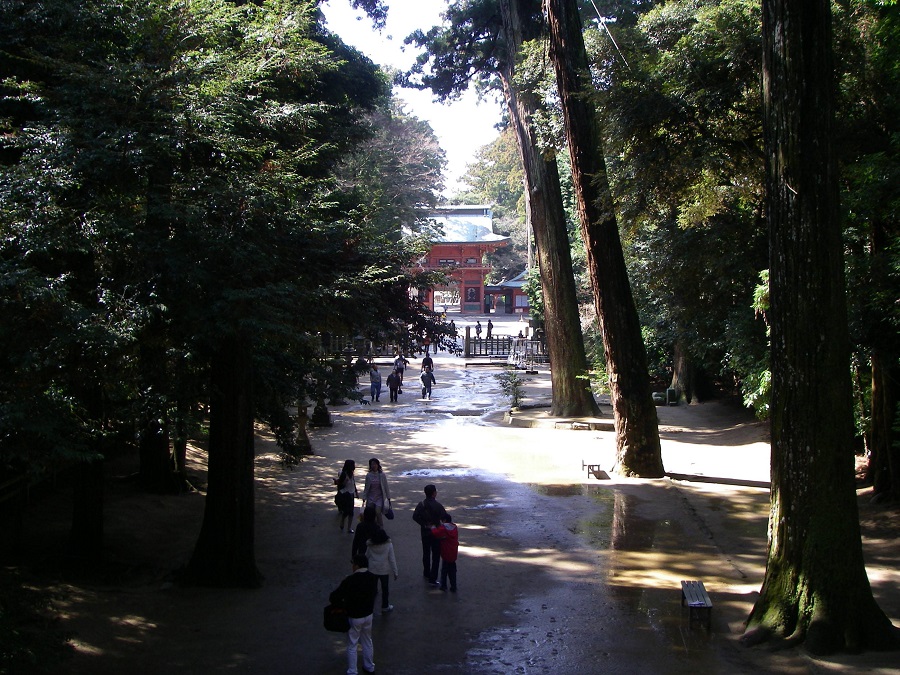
{"type": "Point", "coordinates": [559, 572]}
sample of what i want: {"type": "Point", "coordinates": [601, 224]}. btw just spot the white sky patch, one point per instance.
{"type": "Point", "coordinates": [462, 127]}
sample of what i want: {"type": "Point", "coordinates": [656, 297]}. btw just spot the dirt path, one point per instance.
{"type": "Point", "coordinates": [558, 572]}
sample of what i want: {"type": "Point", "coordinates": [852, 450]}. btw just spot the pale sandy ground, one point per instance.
{"type": "Point", "coordinates": [559, 572]}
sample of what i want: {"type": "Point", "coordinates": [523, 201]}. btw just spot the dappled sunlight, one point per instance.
{"type": "Point", "coordinates": [548, 559]}
{"type": "Point", "coordinates": [555, 566]}
{"type": "Point", "coordinates": [85, 648]}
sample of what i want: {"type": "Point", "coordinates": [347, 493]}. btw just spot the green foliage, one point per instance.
{"type": "Point", "coordinates": [511, 384]}
{"type": "Point", "coordinates": [532, 289]}
{"type": "Point", "coordinates": [174, 174]}
{"type": "Point", "coordinates": [465, 50]}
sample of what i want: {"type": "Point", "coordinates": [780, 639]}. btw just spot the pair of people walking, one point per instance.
{"type": "Point", "coordinates": [375, 492]}
{"type": "Point", "coordinates": [440, 540]}
{"type": "Point", "coordinates": [373, 563]}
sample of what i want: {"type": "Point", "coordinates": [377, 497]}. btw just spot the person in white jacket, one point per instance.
{"type": "Point", "coordinates": [382, 563]}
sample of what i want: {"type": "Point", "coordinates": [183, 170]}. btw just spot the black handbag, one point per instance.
{"type": "Point", "coordinates": [336, 619]}
{"type": "Point", "coordinates": [389, 512]}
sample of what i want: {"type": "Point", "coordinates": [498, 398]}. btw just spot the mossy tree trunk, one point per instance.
{"type": "Point", "coordinates": [815, 588]}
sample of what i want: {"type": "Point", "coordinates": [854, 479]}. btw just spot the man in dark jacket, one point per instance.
{"type": "Point", "coordinates": [429, 513]}
{"type": "Point", "coordinates": [357, 593]}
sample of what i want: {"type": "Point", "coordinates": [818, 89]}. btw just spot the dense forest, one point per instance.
{"type": "Point", "coordinates": [193, 194]}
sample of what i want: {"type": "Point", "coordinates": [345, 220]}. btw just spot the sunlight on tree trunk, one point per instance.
{"type": "Point", "coordinates": [571, 393]}
{"type": "Point", "coordinates": [815, 588]}
{"type": "Point", "coordinates": [638, 450]}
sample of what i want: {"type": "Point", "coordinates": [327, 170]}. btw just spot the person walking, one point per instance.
{"type": "Point", "coordinates": [490, 328]}
{"type": "Point", "coordinates": [427, 378]}
{"type": "Point", "coordinates": [448, 535]}
{"type": "Point", "coordinates": [346, 493]}
{"type": "Point", "coordinates": [430, 513]}
{"type": "Point", "coordinates": [400, 364]}
{"type": "Point", "coordinates": [376, 492]}
{"type": "Point", "coordinates": [383, 563]}
{"type": "Point", "coordinates": [427, 362]}
{"type": "Point", "coordinates": [393, 383]}
{"type": "Point", "coordinates": [364, 531]}
{"type": "Point", "coordinates": [375, 383]}
{"type": "Point", "coordinates": [357, 594]}
{"type": "Point", "coordinates": [478, 329]}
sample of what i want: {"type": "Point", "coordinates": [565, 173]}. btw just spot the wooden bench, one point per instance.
{"type": "Point", "coordinates": [694, 595]}
{"type": "Point", "coordinates": [595, 470]}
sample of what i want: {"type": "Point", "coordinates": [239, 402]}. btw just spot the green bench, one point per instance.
{"type": "Point", "coordinates": [694, 595]}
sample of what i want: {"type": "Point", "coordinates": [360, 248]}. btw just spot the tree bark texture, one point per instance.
{"type": "Point", "coordinates": [86, 535]}
{"type": "Point", "coordinates": [815, 588]}
{"type": "Point", "coordinates": [884, 463]}
{"type": "Point", "coordinates": [224, 554]}
{"type": "Point", "coordinates": [637, 430]}
{"type": "Point", "coordinates": [682, 372]}
{"type": "Point", "coordinates": [572, 394]}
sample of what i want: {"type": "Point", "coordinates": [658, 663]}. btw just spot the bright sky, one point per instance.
{"type": "Point", "coordinates": [462, 127]}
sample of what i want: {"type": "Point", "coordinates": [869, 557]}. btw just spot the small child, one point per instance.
{"type": "Point", "coordinates": [427, 378]}
{"type": "Point", "coordinates": [448, 534]}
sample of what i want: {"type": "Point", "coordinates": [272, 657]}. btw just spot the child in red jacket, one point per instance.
{"type": "Point", "coordinates": [448, 534]}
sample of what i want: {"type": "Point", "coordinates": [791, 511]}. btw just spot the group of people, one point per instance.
{"type": "Point", "coordinates": [372, 554]}
{"type": "Point", "coordinates": [394, 381]}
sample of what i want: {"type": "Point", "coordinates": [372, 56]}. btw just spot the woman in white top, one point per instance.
{"type": "Point", "coordinates": [376, 492]}
{"type": "Point", "coordinates": [382, 563]}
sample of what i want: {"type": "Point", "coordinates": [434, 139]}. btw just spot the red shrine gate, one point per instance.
{"type": "Point", "coordinates": [468, 237]}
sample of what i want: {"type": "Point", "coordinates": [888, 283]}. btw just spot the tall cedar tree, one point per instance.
{"type": "Point", "coordinates": [815, 588]}
{"type": "Point", "coordinates": [483, 40]}
{"type": "Point", "coordinates": [571, 396]}
{"type": "Point", "coordinates": [638, 450]}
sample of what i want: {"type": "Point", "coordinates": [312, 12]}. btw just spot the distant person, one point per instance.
{"type": "Point", "coordinates": [478, 329]}
{"type": "Point", "coordinates": [346, 493]}
{"type": "Point", "coordinates": [375, 383]}
{"type": "Point", "coordinates": [490, 329]}
{"type": "Point", "coordinates": [357, 594]}
{"type": "Point", "coordinates": [427, 362]}
{"type": "Point", "coordinates": [376, 492]}
{"type": "Point", "coordinates": [383, 563]}
{"type": "Point", "coordinates": [393, 385]}
{"type": "Point", "coordinates": [453, 329]}
{"type": "Point", "coordinates": [448, 535]}
{"type": "Point", "coordinates": [427, 378]}
{"type": "Point", "coordinates": [364, 532]}
{"type": "Point", "coordinates": [400, 364]}
{"type": "Point", "coordinates": [430, 513]}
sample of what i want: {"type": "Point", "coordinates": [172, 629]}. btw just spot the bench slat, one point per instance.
{"type": "Point", "coordinates": [694, 594]}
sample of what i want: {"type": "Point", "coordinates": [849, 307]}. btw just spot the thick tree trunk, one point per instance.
{"type": "Point", "coordinates": [224, 553]}
{"type": "Point", "coordinates": [637, 431]}
{"type": "Point", "coordinates": [86, 536]}
{"type": "Point", "coordinates": [884, 462]}
{"type": "Point", "coordinates": [682, 372]}
{"type": "Point", "coordinates": [572, 394]}
{"type": "Point", "coordinates": [815, 587]}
